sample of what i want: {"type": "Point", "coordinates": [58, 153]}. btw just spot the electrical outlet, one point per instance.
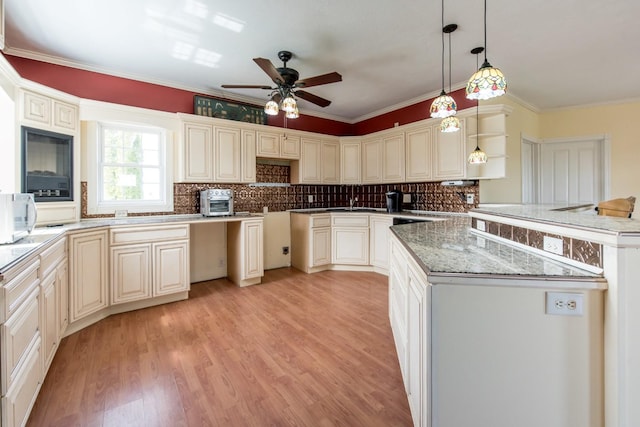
{"type": "Point", "coordinates": [470, 199]}
{"type": "Point", "coordinates": [480, 225]}
{"type": "Point", "coordinates": [121, 213]}
{"type": "Point", "coordinates": [285, 250]}
{"type": "Point", "coordinates": [564, 304]}
{"type": "Point", "coordinates": [553, 245]}
{"type": "Point", "coordinates": [310, 198]}
{"type": "Point", "coordinates": [221, 262]}
{"type": "Point", "coordinates": [406, 198]}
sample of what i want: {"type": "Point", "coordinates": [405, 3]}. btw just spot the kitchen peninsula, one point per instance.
{"type": "Point", "coordinates": [474, 309]}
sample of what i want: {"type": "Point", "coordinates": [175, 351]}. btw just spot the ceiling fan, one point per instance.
{"type": "Point", "coordinates": [287, 82]}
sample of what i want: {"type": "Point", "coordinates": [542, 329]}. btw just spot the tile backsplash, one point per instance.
{"type": "Point", "coordinates": [429, 196]}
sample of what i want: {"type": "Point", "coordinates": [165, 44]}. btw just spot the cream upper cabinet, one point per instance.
{"type": "Point", "coordinates": [276, 145]}
{"type": "Point", "coordinates": [198, 154]}
{"type": "Point", "coordinates": [350, 161]}
{"type": "Point", "coordinates": [372, 161]}
{"type": "Point", "coordinates": [248, 156]}
{"type": "Point", "coordinates": [215, 152]}
{"type": "Point", "coordinates": [319, 162]}
{"type": "Point", "coordinates": [227, 154]}
{"type": "Point", "coordinates": [41, 110]}
{"type": "Point", "coordinates": [418, 155]}
{"type": "Point", "coordinates": [309, 169]}
{"type": "Point", "coordinates": [449, 153]}
{"type": "Point", "coordinates": [88, 277]}
{"type": "Point", "coordinates": [330, 165]}
{"type": "Point", "coordinates": [393, 161]}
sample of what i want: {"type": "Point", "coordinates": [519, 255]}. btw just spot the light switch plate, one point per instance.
{"type": "Point", "coordinates": [470, 199]}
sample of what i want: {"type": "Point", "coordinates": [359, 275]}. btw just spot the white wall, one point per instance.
{"type": "Point", "coordinates": [277, 233]}
{"type": "Point", "coordinates": [10, 158]}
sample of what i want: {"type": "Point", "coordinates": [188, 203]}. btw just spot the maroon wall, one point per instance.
{"type": "Point", "coordinates": [118, 90]}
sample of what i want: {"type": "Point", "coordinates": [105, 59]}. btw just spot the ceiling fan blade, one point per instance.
{"type": "Point", "coordinates": [267, 67]}
{"type": "Point", "coordinates": [320, 80]}
{"type": "Point", "coordinates": [312, 98]}
{"type": "Point", "coordinates": [246, 87]}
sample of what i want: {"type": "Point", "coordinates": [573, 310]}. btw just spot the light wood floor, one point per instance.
{"type": "Point", "coordinates": [298, 350]}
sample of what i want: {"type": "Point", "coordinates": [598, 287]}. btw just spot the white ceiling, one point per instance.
{"type": "Point", "coordinates": [554, 53]}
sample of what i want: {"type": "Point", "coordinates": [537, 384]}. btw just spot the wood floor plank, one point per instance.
{"type": "Point", "coordinates": [298, 350]}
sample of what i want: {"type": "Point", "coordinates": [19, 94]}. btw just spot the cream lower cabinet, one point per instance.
{"type": "Point", "coordinates": [88, 277]}
{"type": "Point", "coordinates": [310, 241]}
{"type": "Point", "coordinates": [350, 239]}
{"type": "Point", "coordinates": [20, 346]}
{"type": "Point", "coordinates": [159, 266]}
{"type": "Point", "coordinates": [245, 252]}
{"type": "Point", "coordinates": [379, 241]}
{"type": "Point", "coordinates": [54, 296]}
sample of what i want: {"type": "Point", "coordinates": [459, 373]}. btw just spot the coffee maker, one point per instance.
{"type": "Point", "coordinates": [394, 201]}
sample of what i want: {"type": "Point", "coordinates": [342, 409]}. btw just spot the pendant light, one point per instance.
{"type": "Point", "coordinates": [488, 82]}
{"type": "Point", "coordinates": [444, 105]}
{"type": "Point", "coordinates": [477, 156]}
{"type": "Point", "coordinates": [451, 123]}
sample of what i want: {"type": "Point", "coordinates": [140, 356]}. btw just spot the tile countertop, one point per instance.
{"type": "Point", "coordinates": [450, 248]}
{"type": "Point", "coordinates": [12, 254]}
{"type": "Point", "coordinates": [580, 217]}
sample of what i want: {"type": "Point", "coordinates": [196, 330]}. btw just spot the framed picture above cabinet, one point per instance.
{"type": "Point", "coordinates": [212, 107]}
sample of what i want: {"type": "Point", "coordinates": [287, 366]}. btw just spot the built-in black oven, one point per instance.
{"type": "Point", "coordinates": [47, 165]}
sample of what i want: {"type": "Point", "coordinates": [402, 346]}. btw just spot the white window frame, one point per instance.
{"type": "Point", "coordinates": [97, 206]}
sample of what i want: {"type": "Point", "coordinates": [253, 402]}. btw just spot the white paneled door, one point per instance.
{"type": "Point", "coordinates": [572, 172]}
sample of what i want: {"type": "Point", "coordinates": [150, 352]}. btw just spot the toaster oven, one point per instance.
{"type": "Point", "coordinates": [216, 202]}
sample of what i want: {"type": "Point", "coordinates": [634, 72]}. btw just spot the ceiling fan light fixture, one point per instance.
{"type": "Point", "coordinates": [292, 114]}
{"type": "Point", "coordinates": [271, 108]}
{"type": "Point", "coordinates": [289, 104]}
{"type": "Point", "coordinates": [450, 124]}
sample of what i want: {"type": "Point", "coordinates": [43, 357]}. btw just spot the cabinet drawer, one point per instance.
{"type": "Point", "coordinates": [350, 220]}
{"type": "Point", "coordinates": [320, 221]}
{"type": "Point", "coordinates": [15, 291]}
{"type": "Point", "coordinates": [50, 257]}
{"type": "Point", "coordinates": [149, 234]}
{"type": "Point", "coordinates": [17, 403]}
{"type": "Point", "coordinates": [19, 333]}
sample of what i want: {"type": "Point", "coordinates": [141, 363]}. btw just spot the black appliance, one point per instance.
{"type": "Point", "coordinates": [394, 201]}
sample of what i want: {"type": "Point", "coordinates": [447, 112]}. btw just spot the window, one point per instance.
{"type": "Point", "coordinates": [133, 171]}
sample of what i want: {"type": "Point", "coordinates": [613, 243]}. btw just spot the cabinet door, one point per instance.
{"type": "Point", "coordinates": [350, 160]}
{"type": "Point", "coordinates": [372, 162]}
{"type": "Point", "coordinates": [379, 241]}
{"type": "Point", "coordinates": [248, 154]}
{"type": "Point", "coordinates": [253, 249]}
{"type": "Point", "coordinates": [393, 158]}
{"type": "Point", "coordinates": [330, 164]}
{"type": "Point", "coordinates": [290, 147]}
{"type": "Point", "coordinates": [17, 403]}
{"type": "Point", "coordinates": [350, 246]}
{"type": "Point", "coordinates": [418, 158]}
{"type": "Point", "coordinates": [130, 273]}
{"type": "Point", "coordinates": [320, 246]}
{"type": "Point", "coordinates": [198, 146]}
{"type": "Point", "coordinates": [310, 161]}
{"type": "Point", "coordinates": [170, 267]}
{"type": "Point", "coordinates": [37, 108]}
{"type": "Point", "coordinates": [450, 156]}
{"type": "Point", "coordinates": [268, 144]}
{"type": "Point", "coordinates": [65, 116]}
{"type": "Point", "coordinates": [88, 273]}
{"type": "Point", "coordinates": [417, 352]}
{"type": "Point", "coordinates": [227, 154]}
{"type": "Point", "coordinates": [48, 319]}
{"type": "Point", "coordinates": [62, 292]}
